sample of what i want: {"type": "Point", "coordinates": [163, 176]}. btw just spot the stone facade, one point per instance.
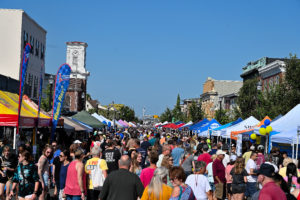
{"type": "Point", "coordinates": [213, 91]}
{"type": "Point", "coordinates": [187, 103]}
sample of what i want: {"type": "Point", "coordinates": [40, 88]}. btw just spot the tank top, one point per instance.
{"type": "Point", "coordinates": [72, 186]}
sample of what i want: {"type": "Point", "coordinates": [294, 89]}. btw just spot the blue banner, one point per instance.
{"type": "Point", "coordinates": [25, 59]}
{"type": "Point", "coordinates": [62, 81]}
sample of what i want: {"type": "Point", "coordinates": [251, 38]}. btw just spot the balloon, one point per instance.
{"type": "Point", "coordinates": [253, 136]}
{"type": "Point", "coordinates": [252, 141]}
{"type": "Point", "coordinates": [269, 129]}
{"type": "Point", "coordinates": [267, 122]}
{"type": "Point", "coordinates": [109, 124]}
{"type": "Point", "coordinates": [104, 122]}
{"type": "Point", "coordinates": [263, 126]}
{"type": "Point", "coordinates": [262, 131]}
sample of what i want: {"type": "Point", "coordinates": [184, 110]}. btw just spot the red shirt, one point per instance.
{"type": "Point", "coordinates": [218, 170]}
{"type": "Point", "coordinates": [271, 191]}
{"type": "Point", "coordinates": [206, 157]}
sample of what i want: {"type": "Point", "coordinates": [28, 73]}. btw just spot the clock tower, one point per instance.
{"type": "Point", "coordinates": [76, 94]}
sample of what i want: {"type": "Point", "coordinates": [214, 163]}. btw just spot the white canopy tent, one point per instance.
{"type": "Point", "coordinates": [248, 123]}
{"type": "Point", "coordinates": [287, 126]}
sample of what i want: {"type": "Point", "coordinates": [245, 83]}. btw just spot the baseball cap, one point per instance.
{"type": "Point", "coordinates": [266, 170]}
{"type": "Point", "coordinates": [77, 142]}
{"type": "Point", "coordinates": [220, 152]}
{"type": "Point", "coordinates": [260, 147]}
{"type": "Point", "coordinates": [252, 148]}
{"type": "Point", "coordinates": [233, 157]}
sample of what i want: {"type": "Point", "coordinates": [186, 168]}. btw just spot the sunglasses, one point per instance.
{"type": "Point", "coordinates": [173, 179]}
{"type": "Point", "coordinates": [61, 156]}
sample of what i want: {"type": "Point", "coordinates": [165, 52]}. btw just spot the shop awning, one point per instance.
{"type": "Point", "coordinates": [76, 126]}
{"type": "Point", "coordinates": [9, 111]}
{"type": "Point", "coordinates": [86, 118]}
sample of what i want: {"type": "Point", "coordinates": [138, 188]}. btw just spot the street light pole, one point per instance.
{"type": "Point", "coordinates": [51, 80]}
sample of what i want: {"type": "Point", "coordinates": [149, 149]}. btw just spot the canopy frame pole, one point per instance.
{"type": "Point", "coordinates": [293, 152]}
{"type": "Point", "coordinates": [298, 133]}
{"type": "Point", "coordinates": [266, 147]}
{"type": "Point", "coordinates": [15, 138]}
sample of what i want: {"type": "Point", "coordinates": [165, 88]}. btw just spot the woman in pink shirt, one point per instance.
{"type": "Point", "coordinates": [147, 173]}
{"type": "Point", "coordinates": [75, 187]}
{"type": "Point", "coordinates": [228, 175]}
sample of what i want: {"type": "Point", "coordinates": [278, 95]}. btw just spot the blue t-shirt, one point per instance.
{"type": "Point", "coordinates": [177, 153]}
{"type": "Point", "coordinates": [63, 175]}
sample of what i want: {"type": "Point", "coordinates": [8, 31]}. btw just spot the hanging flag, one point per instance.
{"type": "Point", "coordinates": [25, 59]}
{"type": "Point", "coordinates": [62, 81]}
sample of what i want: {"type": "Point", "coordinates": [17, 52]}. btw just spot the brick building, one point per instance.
{"type": "Point", "coordinates": [213, 93]}
{"type": "Point", "coordinates": [272, 74]}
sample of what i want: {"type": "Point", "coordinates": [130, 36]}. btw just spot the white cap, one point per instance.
{"type": "Point", "coordinates": [252, 148]}
{"type": "Point", "coordinates": [77, 142]}
{"type": "Point", "coordinates": [233, 157]}
{"type": "Point", "coordinates": [220, 152]}
{"type": "Point", "coordinates": [260, 147]}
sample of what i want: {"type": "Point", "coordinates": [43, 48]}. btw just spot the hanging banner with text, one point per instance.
{"type": "Point", "coordinates": [62, 81]}
{"type": "Point", "coordinates": [25, 59]}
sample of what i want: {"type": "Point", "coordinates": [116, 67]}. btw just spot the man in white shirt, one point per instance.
{"type": "Point", "coordinates": [199, 183]}
{"type": "Point", "coordinates": [226, 159]}
{"type": "Point", "coordinates": [252, 178]}
{"type": "Point", "coordinates": [166, 150]}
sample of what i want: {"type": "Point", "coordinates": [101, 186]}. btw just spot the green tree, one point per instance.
{"type": "Point", "coordinates": [47, 101]}
{"type": "Point", "coordinates": [195, 112]}
{"type": "Point", "coordinates": [177, 114]}
{"type": "Point", "coordinates": [127, 113]}
{"type": "Point", "coordinates": [222, 117]}
{"type": "Point", "coordinates": [167, 115]}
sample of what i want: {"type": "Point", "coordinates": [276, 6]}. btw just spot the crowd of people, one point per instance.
{"type": "Point", "coordinates": [147, 165]}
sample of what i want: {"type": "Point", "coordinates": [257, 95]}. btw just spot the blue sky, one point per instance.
{"type": "Point", "coordinates": [144, 53]}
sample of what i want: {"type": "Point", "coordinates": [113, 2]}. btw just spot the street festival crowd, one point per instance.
{"type": "Point", "coordinates": [147, 164]}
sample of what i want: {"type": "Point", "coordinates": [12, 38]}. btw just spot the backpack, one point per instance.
{"type": "Point", "coordinates": [97, 177]}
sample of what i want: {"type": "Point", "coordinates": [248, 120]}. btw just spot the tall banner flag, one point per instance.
{"type": "Point", "coordinates": [62, 81]}
{"type": "Point", "coordinates": [25, 59]}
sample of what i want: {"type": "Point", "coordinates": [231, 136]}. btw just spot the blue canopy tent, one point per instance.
{"type": "Point", "coordinates": [215, 131]}
{"type": "Point", "coordinates": [199, 124]}
{"type": "Point", "coordinates": [204, 130]}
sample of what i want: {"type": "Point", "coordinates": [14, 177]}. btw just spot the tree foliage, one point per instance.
{"type": "Point", "coordinates": [167, 115]}
{"type": "Point", "coordinates": [47, 101]}
{"type": "Point", "coordinates": [195, 112]}
{"type": "Point", "coordinates": [222, 117]}
{"type": "Point", "coordinates": [177, 114]}
{"type": "Point", "coordinates": [128, 114]}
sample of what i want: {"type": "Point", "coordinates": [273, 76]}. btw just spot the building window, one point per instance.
{"type": "Point", "coordinates": [277, 80]}
{"type": "Point", "coordinates": [32, 44]}
{"type": "Point", "coordinates": [37, 46]}
{"type": "Point", "coordinates": [25, 38]}
{"type": "Point", "coordinates": [42, 51]}
{"type": "Point", "coordinates": [67, 103]}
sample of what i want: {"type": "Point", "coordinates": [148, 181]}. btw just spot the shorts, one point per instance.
{"type": "Point", "coordinates": [212, 186]}
{"type": "Point", "coordinates": [219, 190]}
{"type": "Point", "coordinates": [229, 191]}
{"type": "Point", "coordinates": [238, 188]}
{"type": "Point", "coordinates": [46, 179]}
{"type": "Point", "coordinates": [3, 180]}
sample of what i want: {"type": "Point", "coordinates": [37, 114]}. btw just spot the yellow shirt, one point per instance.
{"type": "Point", "coordinates": [282, 172]}
{"type": "Point", "coordinates": [90, 164]}
{"type": "Point", "coordinates": [246, 156]}
{"type": "Point", "coordinates": [165, 194]}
